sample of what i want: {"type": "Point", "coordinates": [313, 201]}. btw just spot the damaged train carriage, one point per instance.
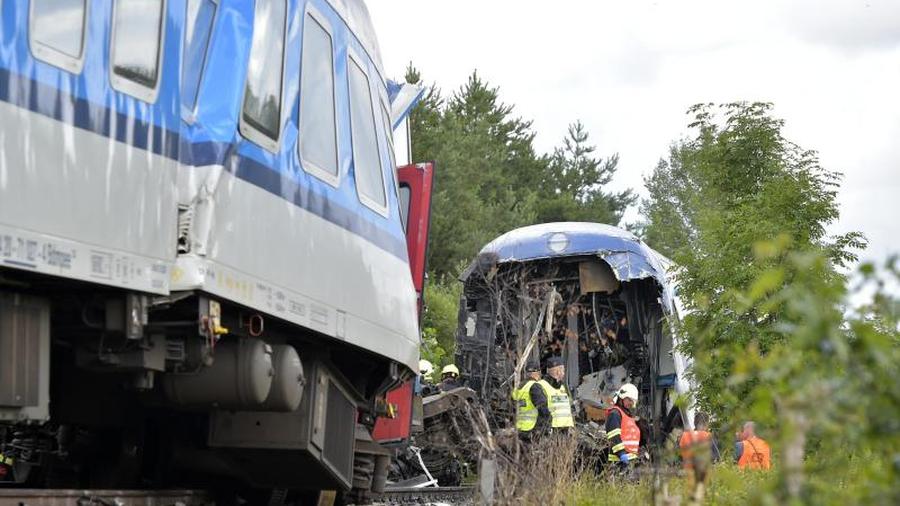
{"type": "Point", "coordinates": [592, 294]}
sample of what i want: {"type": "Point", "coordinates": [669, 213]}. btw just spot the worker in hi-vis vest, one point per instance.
{"type": "Point", "coordinates": [621, 428]}
{"type": "Point", "coordinates": [559, 402]}
{"type": "Point", "coordinates": [752, 452]}
{"type": "Point", "coordinates": [527, 399]}
{"type": "Point", "coordinates": [698, 444]}
{"type": "Point", "coordinates": [544, 405]}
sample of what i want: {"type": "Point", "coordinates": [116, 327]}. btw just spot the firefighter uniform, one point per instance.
{"type": "Point", "coordinates": [623, 434]}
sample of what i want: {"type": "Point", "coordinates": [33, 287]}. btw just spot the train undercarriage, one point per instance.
{"type": "Point", "coordinates": [102, 388]}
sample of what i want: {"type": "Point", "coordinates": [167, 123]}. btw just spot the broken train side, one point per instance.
{"type": "Point", "coordinates": [590, 293]}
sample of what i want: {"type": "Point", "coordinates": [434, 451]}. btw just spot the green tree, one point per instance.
{"type": "Point", "coordinates": [440, 320]}
{"type": "Point", "coordinates": [825, 386]}
{"type": "Point", "coordinates": [425, 119]}
{"type": "Point", "coordinates": [737, 182]}
{"type": "Point", "coordinates": [489, 180]}
{"type": "Point", "coordinates": [572, 186]}
{"type": "Point", "coordinates": [486, 169]}
{"type": "Point", "coordinates": [743, 212]}
{"type": "Point", "coordinates": [668, 212]}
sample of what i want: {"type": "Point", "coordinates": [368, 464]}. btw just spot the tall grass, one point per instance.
{"type": "Point", "coordinates": [834, 480]}
{"type": "Point", "coordinates": [728, 485]}
{"type": "Point", "coordinates": [543, 472]}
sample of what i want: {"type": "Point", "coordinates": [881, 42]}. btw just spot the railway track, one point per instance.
{"type": "Point", "coordinates": [44, 497]}
{"type": "Point", "coordinates": [427, 495]}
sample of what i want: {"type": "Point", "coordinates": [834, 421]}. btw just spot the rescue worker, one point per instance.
{"type": "Point", "coordinates": [423, 385]}
{"type": "Point", "coordinates": [558, 402]}
{"type": "Point", "coordinates": [750, 451]}
{"type": "Point", "coordinates": [697, 443]}
{"type": "Point", "coordinates": [528, 398]}
{"type": "Point", "coordinates": [426, 369]}
{"type": "Point", "coordinates": [621, 429]}
{"type": "Point", "coordinates": [698, 451]}
{"type": "Point", "coordinates": [449, 378]}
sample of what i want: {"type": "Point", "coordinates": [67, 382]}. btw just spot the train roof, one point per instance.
{"type": "Point", "coordinates": [356, 15]}
{"type": "Point", "coordinates": [629, 257]}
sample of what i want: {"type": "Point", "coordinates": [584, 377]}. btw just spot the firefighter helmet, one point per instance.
{"type": "Point", "coordinates": [426, 368]}
{"type": "Point", "coordinates": [627, 391]}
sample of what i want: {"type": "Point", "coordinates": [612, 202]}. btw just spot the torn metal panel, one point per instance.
{"type": "Point", "coordinates": [597, 277]}
{"type": "Point", "coordinates": [628, 257]}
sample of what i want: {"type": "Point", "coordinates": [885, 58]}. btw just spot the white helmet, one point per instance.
{"type": "Point", "coordinates": [627, 391]}
{"type": "Point", "coordinates": [425, 367]}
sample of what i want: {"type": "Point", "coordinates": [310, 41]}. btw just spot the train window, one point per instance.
{"type": "Point", "coordinates": [405, 193]}
{"type": "Point", "coordinates": [137, 34]}
{"type": "Point", "coordinates": [318, 136]}
{"type": "Point", "coordinates": [366, 161]}
{"type": "Point", "coordinates": [261, 114]}
{"type": "Point", "coordinates": [57, 32]}
{"type": "Point", "coordinates": [198, 28]}
{"type": "Point", "coordinates": [389, 144]}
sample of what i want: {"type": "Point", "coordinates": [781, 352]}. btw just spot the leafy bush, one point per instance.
{"type": "Point", "coordinates": [440, 320]}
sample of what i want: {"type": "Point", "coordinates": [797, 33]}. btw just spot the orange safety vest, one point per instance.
{"type": "Point", "coordinates": [631, 434]}
{"type": "Point", "coordinates": [690, 440]}
{"type": "Point", "coordinates": [755, 454]}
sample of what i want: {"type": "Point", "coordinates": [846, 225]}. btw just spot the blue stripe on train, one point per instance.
{"type": "Point", "coordinates": [61, 106]}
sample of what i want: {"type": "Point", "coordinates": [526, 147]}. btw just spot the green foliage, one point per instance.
{"type": "Point", "coordinates": [440, 321]}
{"type": "Point", "coordinates": [828, 383]}
{"type": "Point", "coordinates": [571, 187]}
{"type": "Point", "coordinates": [738, 182]}
{"type": "Point", "coordinates": [489, 179]}
{"type": "Point", "coordinates": [743, 212]}
{"type": "Point", "coordinates": [484, 166]}
{"type": "Point", "coordinates": [431, 350]}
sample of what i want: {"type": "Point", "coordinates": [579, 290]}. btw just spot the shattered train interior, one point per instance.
{"type": "Point", "coordinates": [609, 328]}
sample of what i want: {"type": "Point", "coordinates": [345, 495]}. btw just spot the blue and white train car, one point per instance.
{"type": "Point", "coordinates": [203, 258]}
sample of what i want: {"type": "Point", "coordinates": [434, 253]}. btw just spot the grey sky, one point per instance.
{"type": "Point", "coordinates": [630, 69]}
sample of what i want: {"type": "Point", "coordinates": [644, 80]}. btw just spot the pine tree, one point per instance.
{"type": "Point", "coordinates": [485, 170]}
{"type": "Point", "coordinates": [572, 186]}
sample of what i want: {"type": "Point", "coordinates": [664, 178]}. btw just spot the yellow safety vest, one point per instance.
{"type": "Point", "coordinates": [560, 405]}
{"type": "Point", "coordinates": [526, 412]}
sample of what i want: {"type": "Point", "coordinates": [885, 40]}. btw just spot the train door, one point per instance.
{"type": "Point", "coordinates": [415, 211]}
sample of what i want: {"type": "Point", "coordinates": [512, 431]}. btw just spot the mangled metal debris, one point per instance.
{"type": "Point", "coordinates": [442, 446]}
{"type": "Point", "coordinates": [592, 294]}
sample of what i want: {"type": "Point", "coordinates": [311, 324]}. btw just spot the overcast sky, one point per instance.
{"type": "Point", "coordinates": [628, 69]}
